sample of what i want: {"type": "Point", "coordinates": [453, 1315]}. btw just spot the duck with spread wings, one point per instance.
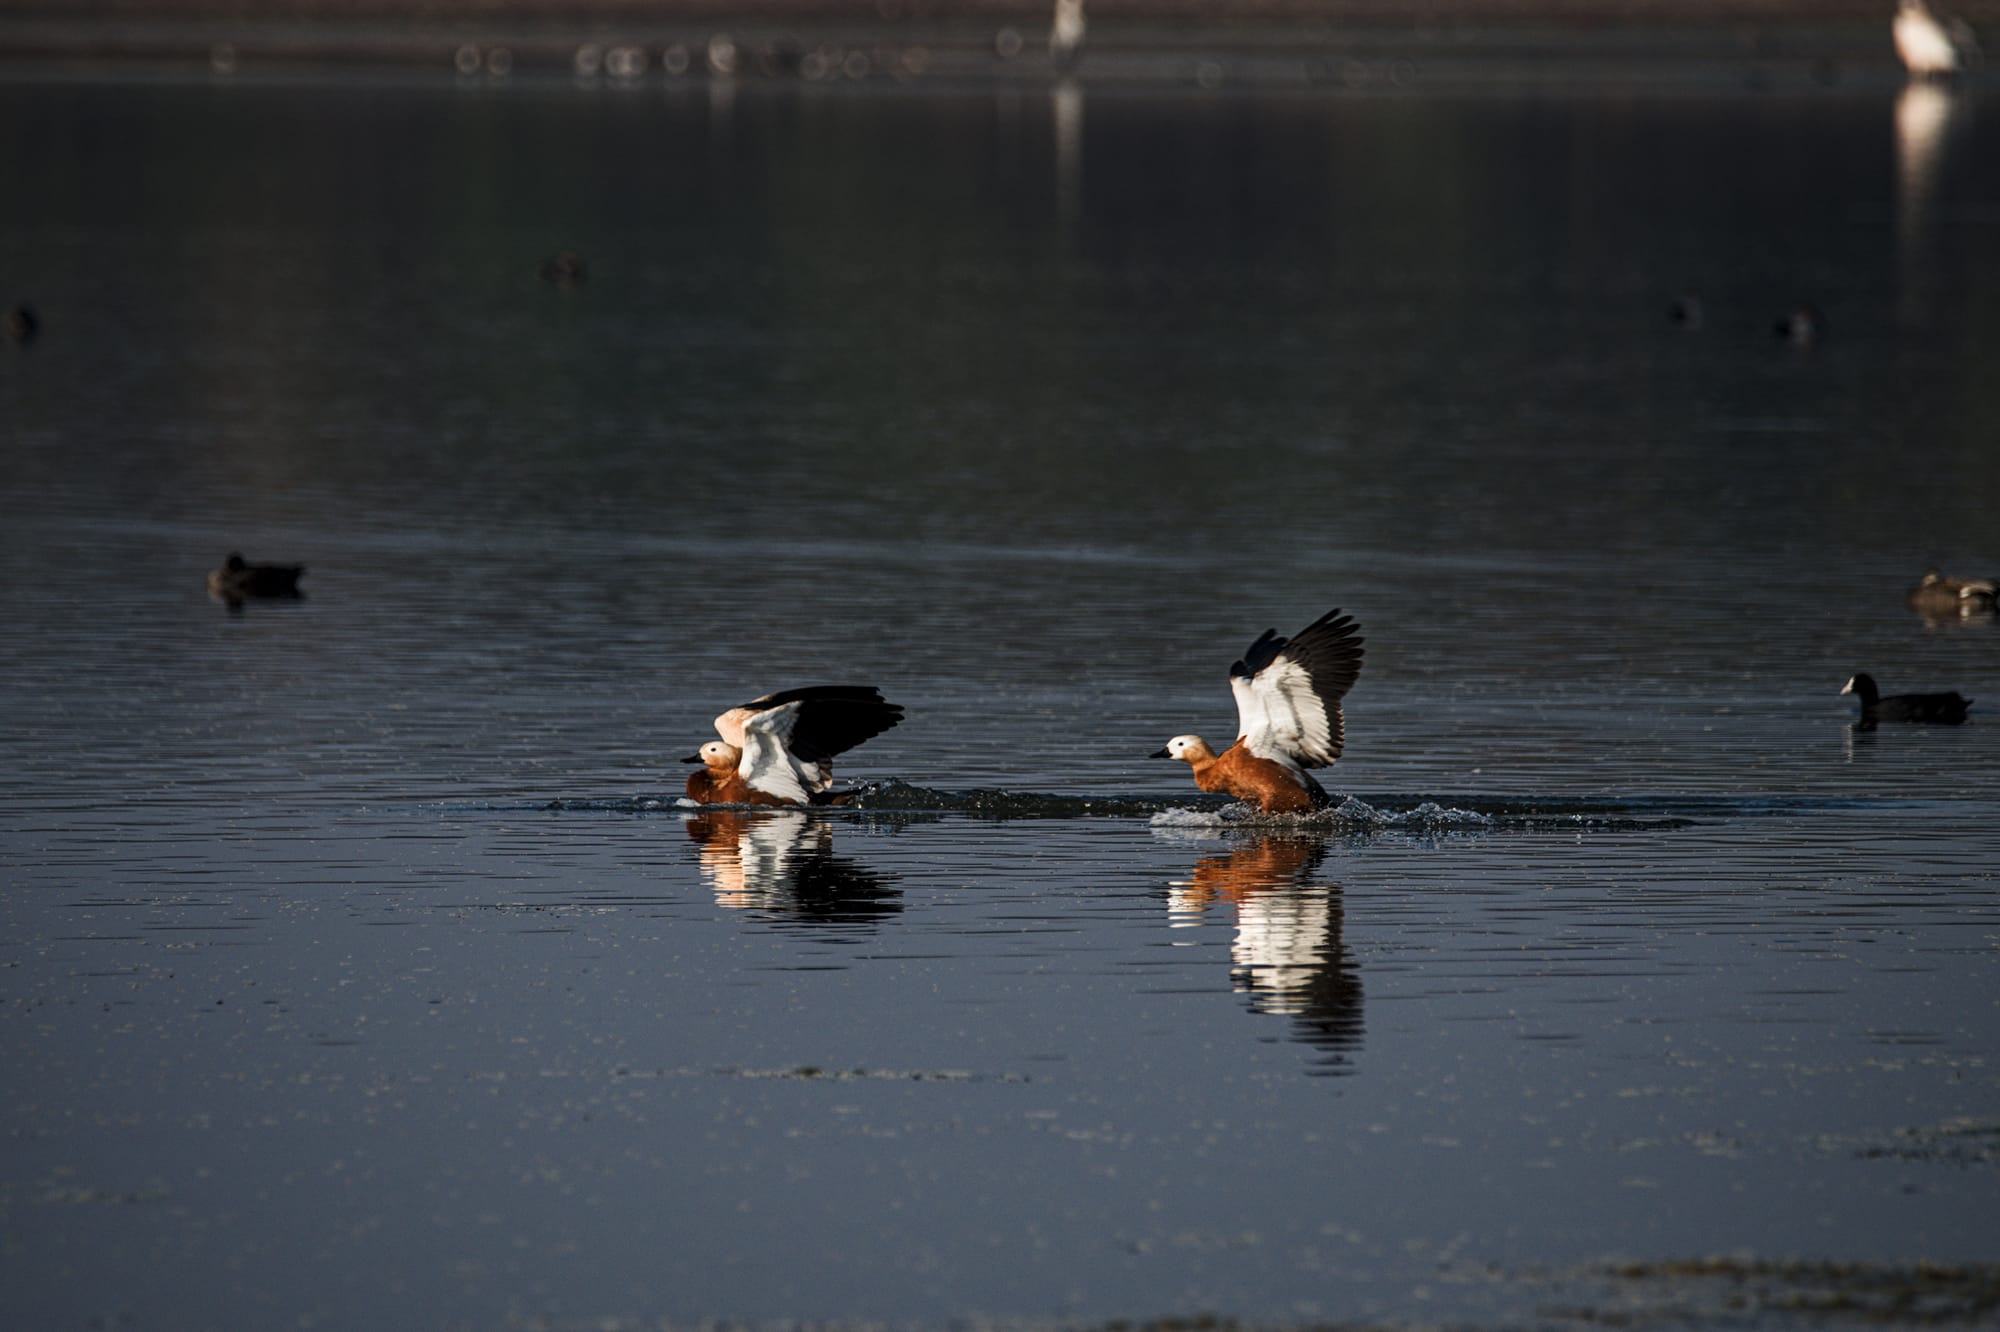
{"type": "Point", "coordinates": [1288, 693]}
{"type": "Point", "coordinates": [779, 749]}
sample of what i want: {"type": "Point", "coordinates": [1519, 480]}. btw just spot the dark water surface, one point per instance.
{"type": "Point", "coordinates": [357, 968]}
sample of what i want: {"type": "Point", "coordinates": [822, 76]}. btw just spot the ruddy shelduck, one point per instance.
{"type": "Point", "coordinates": [1288, 693]}
{"type": "Point", "coordinates": [779, 749]}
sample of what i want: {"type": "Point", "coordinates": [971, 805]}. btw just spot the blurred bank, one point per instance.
{"type": "Point", "coordinates": [1340, 43]}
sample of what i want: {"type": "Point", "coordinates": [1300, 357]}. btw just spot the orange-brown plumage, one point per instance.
{"type": "Point", "coordinates": [1238, 772]}
{"type": "Point", "coordinates": [723, 786]}
{"type": "Point", "coordinates": [1288, 693]}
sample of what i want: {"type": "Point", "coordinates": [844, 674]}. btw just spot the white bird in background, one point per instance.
{"type": "Point", "coordinates": [1066, 34]}
{"type": "Point", "coordinates": [1929, 46]}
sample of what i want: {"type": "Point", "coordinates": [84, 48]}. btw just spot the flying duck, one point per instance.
{"type": "Point", "coordinates": [238, 579]}
{"type": "Point", "coordinates": [778, 749]}
{"type": "Point", "coordinates": [1288, 693]}
{"type": "Point", "coordinates": [1946, 709]}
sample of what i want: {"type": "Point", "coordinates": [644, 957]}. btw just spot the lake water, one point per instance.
{"type": "Point", "coordinates": [360, 970]}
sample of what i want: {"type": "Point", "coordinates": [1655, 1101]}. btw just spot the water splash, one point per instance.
{"type": "Point", "coordinates": [1427, 818]}
{"type": "Point", "coordinates": [1351, 815]}
{"type": "Point", "coordinates": [1425, 814]}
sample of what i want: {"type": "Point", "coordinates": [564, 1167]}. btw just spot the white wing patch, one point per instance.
{"type": "Point", "coordinates": [768, 764]}
{"type": "Point", "coordinates": [1280, 717]}
{"type": "Point", "coordinates": [768, 767]}
{"type": "Point", "coordinates": [1253, 715]}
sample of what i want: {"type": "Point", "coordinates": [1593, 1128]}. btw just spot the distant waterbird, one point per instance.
{"type": "Point", "coordinates": [1937, 594]}
{"type": "Point", "coordinates": [1932, 47]}
{"type": "Point", "coordinates": [238, 580]}
{"type": "Point", "coordinates": [1288, 693]}
{"type": "Point", "coordinates": [779, 749]}
{"type": "Point", "coordinates": [1946, 709]}
{"type": "Point", "coordinates": [22, 324]}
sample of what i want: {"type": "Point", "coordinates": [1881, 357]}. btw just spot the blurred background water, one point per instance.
{"type": "Point", "coordinates": [359, 967]}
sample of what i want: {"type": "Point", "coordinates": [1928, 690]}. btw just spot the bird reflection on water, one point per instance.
{"type": "Point", "coordinates": [1288, 955]}
{"type": "Point", "coordinates": [781, 863]}
{"type": "Point", "coordinates": [1923, 120]}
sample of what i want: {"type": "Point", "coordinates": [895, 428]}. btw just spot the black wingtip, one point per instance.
{"type": "Point", "coordinates": [1259, 655]}
{"type": "Point", "coordinates": [822, 694]}
{"type": "Point", "coordinates": [834, 718]}
{"type": "Point", "coordinates": [1330, 651]}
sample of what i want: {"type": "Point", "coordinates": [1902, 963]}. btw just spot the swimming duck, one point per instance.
{"type": "Point", "coordinates": [1936, 594]}
{"type": "Point", "coordinates": [778, 749]}
{"type": "Point", "coordinates": [239, 579]}
{"type": "Point", "coordinates": [1288, 693]}
{"type": "Point", "coordinates": [1931, 47]}
{"type": "Point", "coordinates": [1947, 709]}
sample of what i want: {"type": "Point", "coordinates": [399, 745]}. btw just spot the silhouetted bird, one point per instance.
{"type": "Point", "coordinates": [238, 579]}
{"type": "Point", "coordinates": [1947, 709]}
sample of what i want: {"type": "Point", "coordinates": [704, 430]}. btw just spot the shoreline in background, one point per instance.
{"type": "Point", "coordinates": [653, 49]}
{"type": "Point", "coordinates": [1340, 43]}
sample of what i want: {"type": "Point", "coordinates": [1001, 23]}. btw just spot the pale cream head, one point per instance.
{"type": "Point", "coordinates": [717, 754]}
{"type": "Point", "coordinates": [1189, 749]}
